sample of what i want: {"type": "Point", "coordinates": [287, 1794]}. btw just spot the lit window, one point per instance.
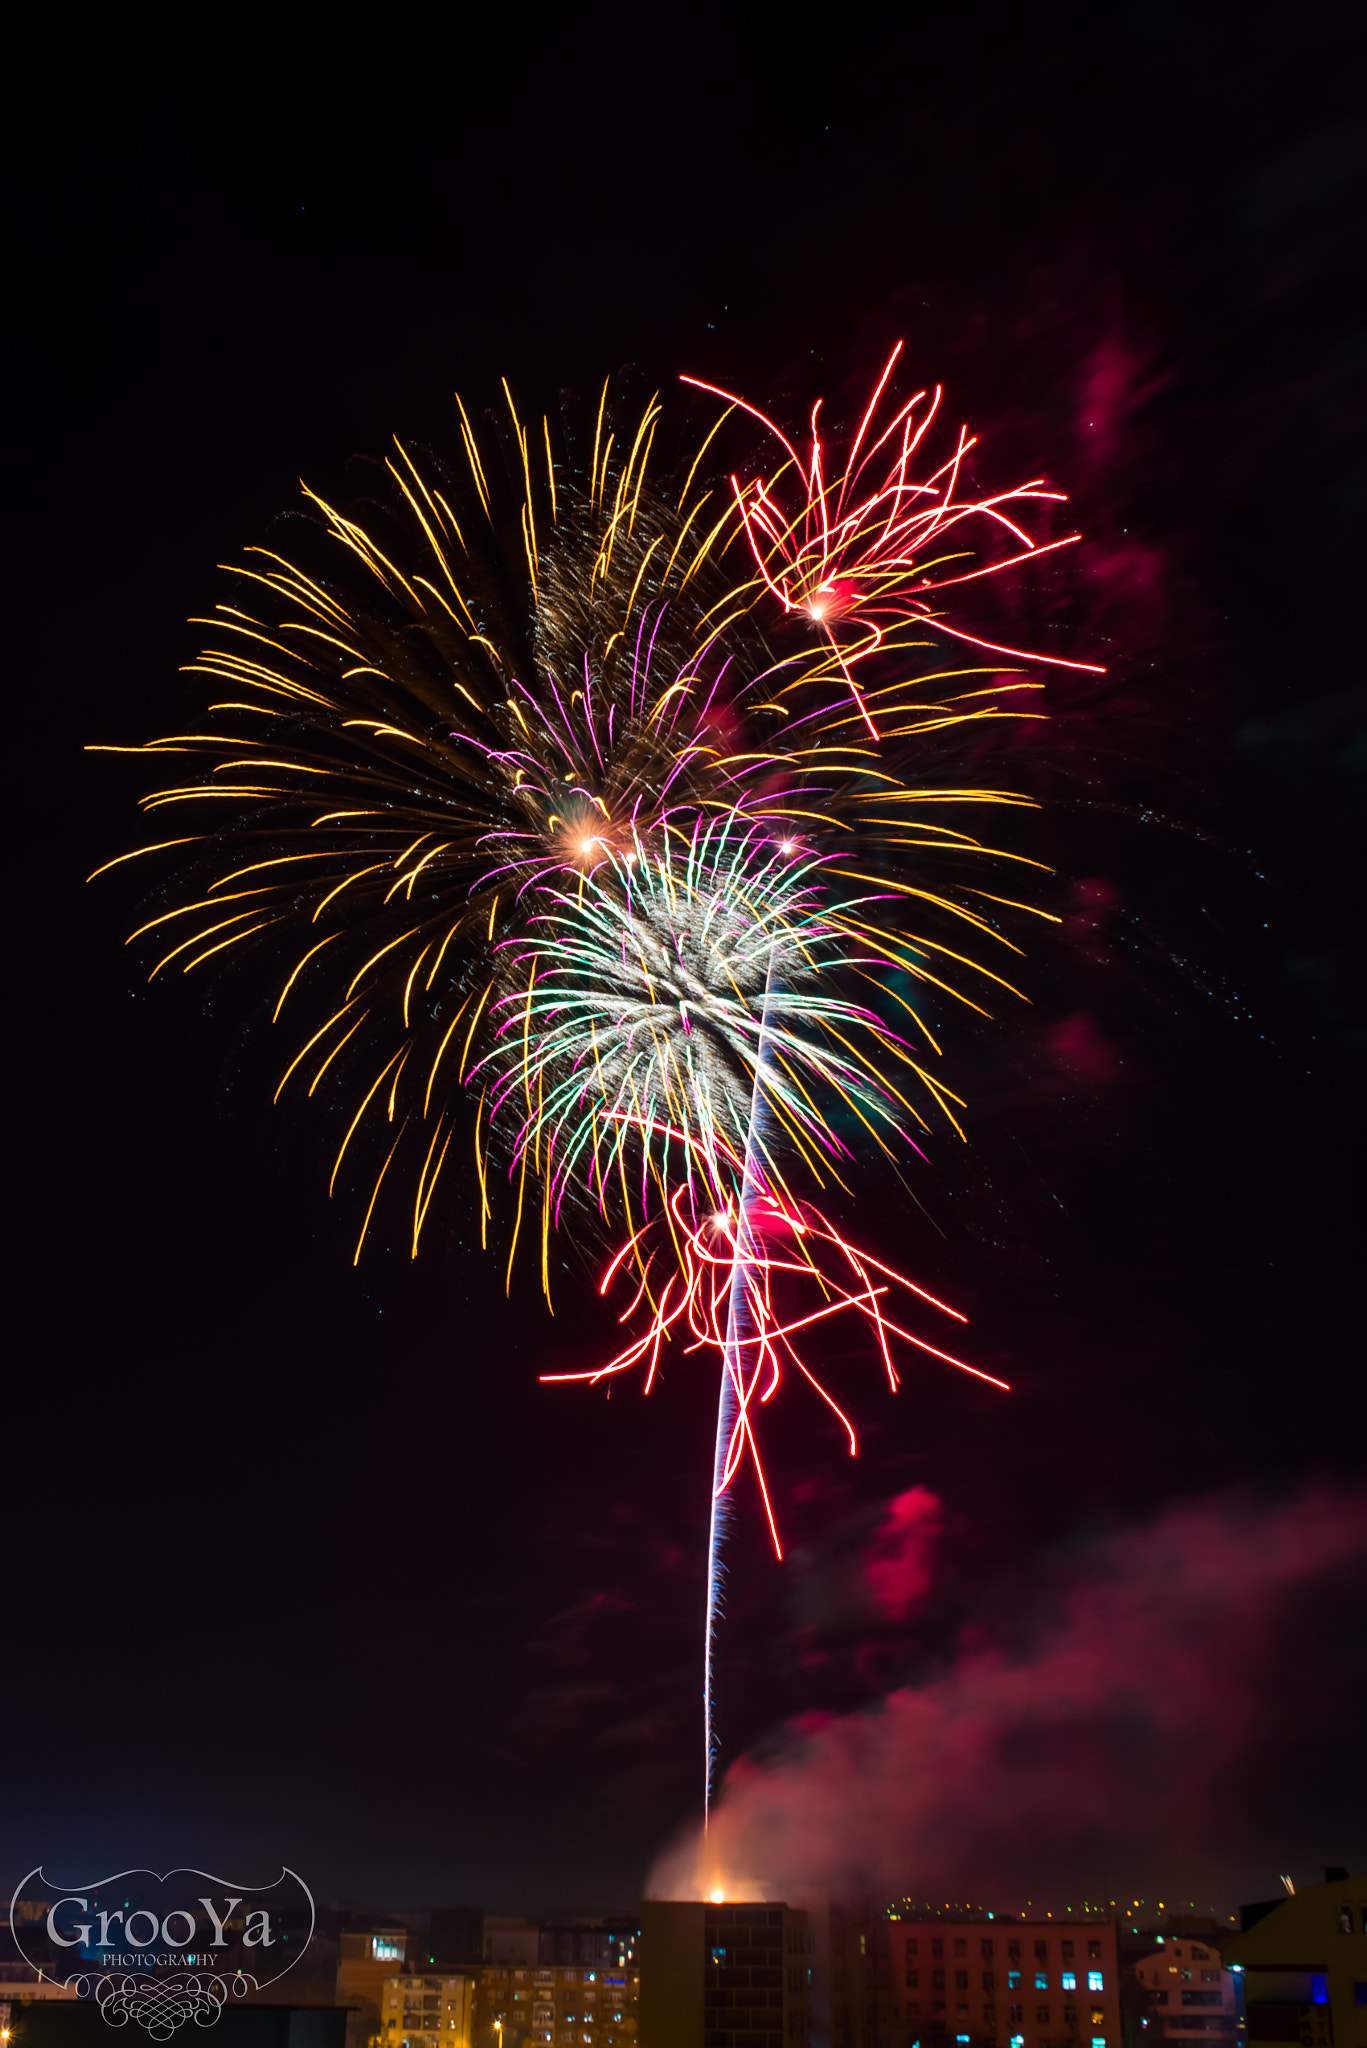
{"type": "Point", "coordinates": [1319, 1988]}
{"type": "Point", "coordinates": [1094, 1982]}
{"type": "Point", "coordinates": [1018, 2041]}
{"type": "Point", "coordinates": [1069, 1980]}
{"type": "Point", "coordinates": [1041, 1980]}
{"type": "Point", "coordinates": [1098, 2041]}
{"type": "Point", "coordinates": [1013, 1980]}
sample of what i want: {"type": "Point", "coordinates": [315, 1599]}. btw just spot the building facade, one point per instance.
{"type": "Point", "coordinates": [724, 1974]}
{"type": "Point", "coordinates": [1304, 1964]}
{"type": "Point", "coordinates": [427, 2012]}
{"type": "Point", "coordinates": [366, 1959]}
{"type": "Point", "coordinates": [896, 1983]}
{"type": "Point", "coordinates": [1185, 1993]}
{"type": "Point", "coordinates": [555, 2006]}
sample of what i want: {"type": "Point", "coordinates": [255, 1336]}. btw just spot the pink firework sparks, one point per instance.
{"type": "Point", "coordinates": [774, 1240]}
{"type": "Point", "coordinates": [866, 549]}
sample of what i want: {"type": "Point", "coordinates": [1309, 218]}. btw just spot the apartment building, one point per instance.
{"type": "Point", "coordinates": [1186, 1993]}
{"type": "Point", "coordinates": [549, 2006]}
{"type": "Point", "coordinates": [897, 1983]}
{"type": "Point", "coordinates": [724, 1974]}
{"type": "Point", "coordinates": [428, 2012]}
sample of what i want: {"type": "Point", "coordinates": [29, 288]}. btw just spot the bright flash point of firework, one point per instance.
{"type": "Point", "coordinates": [867, 547]}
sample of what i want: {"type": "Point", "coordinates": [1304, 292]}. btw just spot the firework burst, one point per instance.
{"type": "Point", "coordinates": [863, 551]}
{"type": "Point", "coordinates": [512, 791]}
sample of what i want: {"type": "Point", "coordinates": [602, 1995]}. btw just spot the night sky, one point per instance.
{"type": "Point", "coordinates": [304, 1565]}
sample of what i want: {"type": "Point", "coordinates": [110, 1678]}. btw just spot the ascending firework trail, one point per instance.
{"type": "Point", "coordinates": [739, 1329]}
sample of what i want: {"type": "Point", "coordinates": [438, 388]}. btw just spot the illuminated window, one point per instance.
{"type": "Point", "coordinates": [1319, 1988]}
{"type": "Point", "coordinates": [1069, 1980]}
{"type": "Point", "coordinates": [386, 1948]}
{"type": "Point", "coordinates": [1094, 1982]}
{"type": "Point", "coordinates": [1041, 1980]}
{"type": "Point", "coordinates": [1098, 2017]}
{"type": "Point", "coordinates": [1013, 1980]}
{"type": "Point", "coordinates": [1018, 2041]}
{"type": "Point", "coordinates": [1098, 2041]}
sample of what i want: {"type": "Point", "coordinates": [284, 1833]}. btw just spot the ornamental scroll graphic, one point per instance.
{"type": "Point", "coordinates": [161, 1951]}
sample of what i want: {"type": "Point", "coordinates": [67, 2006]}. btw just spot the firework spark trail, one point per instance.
{"type": "Point", "coordinates": [548, 823]}
{"type": "Point", "coordinates": [849, 560]}
{"type": "Point", "coordinates": [739, 1332]}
